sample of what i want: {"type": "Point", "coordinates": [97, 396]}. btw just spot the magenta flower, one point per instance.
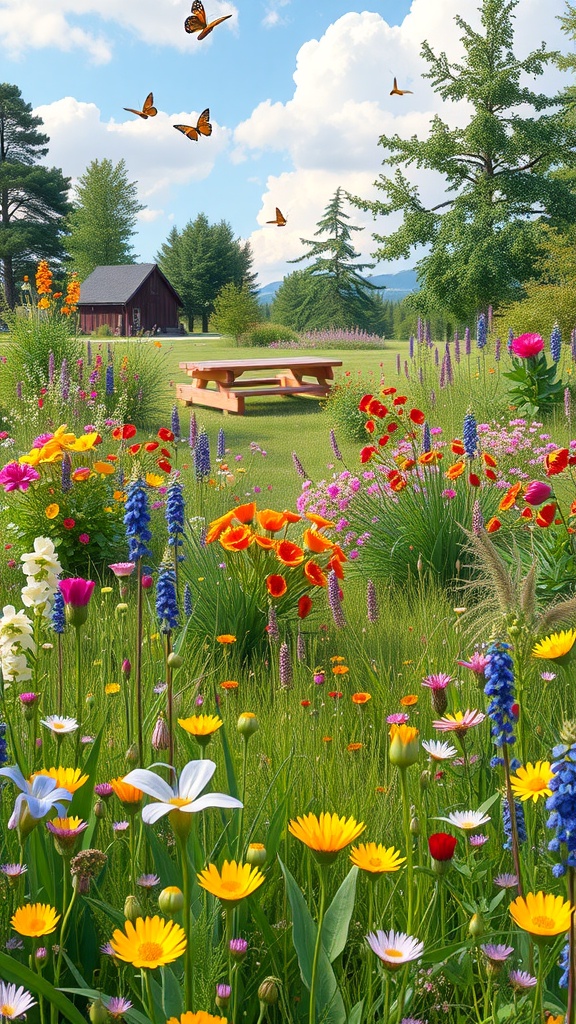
{"type": "Point", "coordinates": [76, 591]}
{"type": "Point", "coordinates": [527, 345]}
{"type": "Point", "coordinates": [537, 492]}
{"type": "Point", "coordinates": [121, 569]}
{"type": "Point", "coordinates": [438, 681]}
{"type": "Point", "coordinates": [476, 664]}
{"type": "Point", "coordinates": [17, 477]}
{"type": "Point", "coordinates": [398, 718]}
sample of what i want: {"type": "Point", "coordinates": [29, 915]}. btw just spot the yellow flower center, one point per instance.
{"type": "Point", "coordinates": [374, 862]}
{"type": "Point", "coordinates": [544, 922]}
{"type": "Point", "coordinates": [57, 725]}
{"type": "Point", "coordinates": [392, 952]}
{"type": "Point", "coordinates": [6, 1010]}
{"type": "Point", "coordinates": [179, 801]}
{"type": "Point", "coordinates": [36, 924]}
{"type": "Point", "coordinates": [536, 785]}
{"type": "Point", "coordinates": [231, 886]}
{"type": "Point", "coordinates": [150, 951]}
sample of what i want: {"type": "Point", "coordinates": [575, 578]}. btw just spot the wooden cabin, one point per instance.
{"type": "Point", "coordinates": [131, 299]}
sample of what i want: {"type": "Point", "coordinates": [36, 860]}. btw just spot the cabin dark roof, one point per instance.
{"type": "Point", "coordinates": [116, 285]}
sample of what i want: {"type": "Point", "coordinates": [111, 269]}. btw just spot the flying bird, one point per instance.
{"type": "Point", "coordinates": [203, 127]}
{"type": "Point", "coordinates": [279, 220]}
{"type": "Point", "coordinates": [197, 21]}
{"type": "Point", "coordinates": [148, 109]}
{"type": "Point", "coordinates": [400, 92]}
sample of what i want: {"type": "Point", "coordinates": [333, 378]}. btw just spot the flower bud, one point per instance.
{"type": "Point", "coordinates": [41, 956]}
{"type": "Point", "coordinates": [132, 909]}
{"type": "Point", "coordinates": [121, 609]}
{"type": "Point", "coordinates": [404, 745]}
{"type": "Point", "coordinates": [171, 900]}
{"type": "Point", "coordinates": [161, 735]}
{"type": "Point", "coordinates": [147, 582]}
{"type": "Point", "coordinates": [476, 926]}
{"type": "Point", "coordinates": [268, 991]}
{"type": "Point", "coordinates": [238, 949]}
{"type": "Point", "coordinates": [247, 724]}
{"type": "Point", "coordinates": [131, 754]}
{"type": "Point", "coordinates": [223, 993]}
{"type": "Point", "coordinates": [175, 660]}
{"type": "Point", "coordinates": [256, 854]}
{"type": "Point", "coordinates": [414, 825]}
{"type": "Point", "coordinates": [98, 1013]}
{"type": "Point", "coordinates": [126, 668]}
{"type": "Point", "coordinates": [89, 700]}
{"type": "Point", "coordinates": [100, 809]}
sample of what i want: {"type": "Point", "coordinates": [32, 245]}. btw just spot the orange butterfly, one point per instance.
{"type": "Point", "coordinates": [399, 92]}
{"type": "Point", "coordinates": [197, 20]}
{"type": "Point", "coordinates": [148, 110]}
{"type": "Point", "coordinates": [279, 220]}
{"type": "Point", "coordinates": [203, 127]}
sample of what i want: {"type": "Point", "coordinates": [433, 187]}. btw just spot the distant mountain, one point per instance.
{"type": "Point", "coordinates": [396, 286]}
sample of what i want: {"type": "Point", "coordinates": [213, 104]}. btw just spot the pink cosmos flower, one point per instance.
{"type": "Point", "coordinates": [399, 718]}
{"type": "Point", "coordinates": [17, 477]}
{"type": "Point", "coordinates": [76, 591]}
{"type": "Point", "coordinates": [537, 492]}
{"type": "Point", "coordinates": [527, 345]}
{"type": "Point", "coordinates": [121, 569]}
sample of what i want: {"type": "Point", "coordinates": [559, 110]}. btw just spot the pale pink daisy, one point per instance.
{"type": "Point", "coordinates": [460, 722]}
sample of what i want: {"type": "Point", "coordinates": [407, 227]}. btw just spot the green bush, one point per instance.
{"type": "Point", "coordinates": [262, 335]}
{"type": "Point", "coordinates": [103, 331]}
{"type": "Point", "coordinates": [342, 406]}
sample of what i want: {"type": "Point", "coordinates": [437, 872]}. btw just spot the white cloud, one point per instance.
{"type": "Point", "coordinates": [273, 18]}
{"type": "Point", "coordinates": [328, 131]}
{"type": "Point", "coordinates": [39, 24]}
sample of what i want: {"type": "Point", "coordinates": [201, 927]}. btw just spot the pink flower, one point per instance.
{"type": "Point", "coordinates": [537, 492]}
{"type": "Point", "coordinates": [76, 591]}
{"type": "Point", "coordinates": [84, 538]}
{"type": "Point", "coordinates": [438, 681]}
{"type": "Point", "coordinates": [527, 345]}
{"type": "Point", "coordinates": [122, 568]}
{"type": "Point", "coordinates": [398, 718]}
{"type": "Point", "coordinates": [476, 664]}
{"type": "Point", "coordinates": [17, 477]}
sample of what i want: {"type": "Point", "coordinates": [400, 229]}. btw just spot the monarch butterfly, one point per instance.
{"type": "Point", "coordinates": [399, 92]}
{"type": "Point", "coordinates": [279, 220]}
{"type": "Point", "coordinates": [203, 127]}
{"type": "Point", "coordinates": [197, 20]}
{"type": "Point", "coordinates": [148, 108]}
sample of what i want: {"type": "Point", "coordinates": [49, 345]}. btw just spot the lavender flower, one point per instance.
{"type": "Point", "coordinates": [411, 346]}
{"type": "Point", "coordinates": [298, 466]}
{"type": "Point", "coordinates": [285, 666]}
{"type": "Point", "coordinates": [193, 432]}
{"type": "Point", "coordinates": [456, 347]}
{"type": "Point", "coordinates": [334, 600]}
{"type": "Point", "coordinates": [136, 520]}
{"type": "Point", "coordinates": [448, 361]}
{"type": "Point", "coordinates": [65, 473]}
{"type": "Point", "coordinates": [436, 356]}
{"type": "Point", "coordinates": [555, 344]}
{"type": "Point", "coordinates": [334, 446]}
{"type": "Point", "coordinates": [110, 379]}
{"type": "Point", "coordinates": [426, 439]}
{"type": "Point", "coordinates": [272, 629]}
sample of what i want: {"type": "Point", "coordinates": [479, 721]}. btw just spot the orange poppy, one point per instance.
{"type": "Point", "coordinates": [336, 566]}
{"type": "Point", "coordinates": [217, 526]}
{"type": "Point", "coordinates": [245, 513]}
{"type": "Point", "coordinates": [264, 542]}
{"type": "Point", "coordinates": [81, 474]}
{"type": "Point", "coordinates": [493, 525]}
{"type": "Point", "coordinates": [361, 698]}
{"type": "Point", "coordinates": [314, 574]}
{"type": "Point", "coordinates": [455, 471]}
{"type": "Point", "coordinates": [271, 520]}
{"type": "Point", "coordinates": [320, 521]}
{"type": "Point", "coordinates": [354, 746]}
{"type": "Point", "coordinates": [409, 700]}
{"type": "Point", "coordinates": [509, 499]}
{"type": "Point", "coordinates": [556, 461]}
{"type": "Point", "coordinates": [229, 684]}
{"type": "Point", "coordinates": [289, 553]}
{"type": "Point", "coordinates": [226, 638]}
{"type": "Point", "coordinates": [276, 585]}
{"type": "Point", "coordinates": [338, 553]}
{"type": "Point", "coordinates": [429, 458]}
{"type": "Point", "coordinates": [104, 468]}
{"type": "Point", "coordinates": [457, 447]}
{"type": "Point", "coordinates": [340, 670]}
{"type": "Point", "coordinates": [488, 460]}
{"type": "Point", "coordinates": [236, 538]}
{"type": "Point", "coordinates": [545, 515]}
{"type": "Point", "coordinates": [316, 542]}
{"type": "Point", "coordinates": [291, 517]}
{"type": "Point", "coordinates": [126, 793]}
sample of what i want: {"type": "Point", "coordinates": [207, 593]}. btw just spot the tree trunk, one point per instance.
{"type": "Point", "coordinates": [8, 281]}
{"type": "Point", "coordinates": [204, 323]}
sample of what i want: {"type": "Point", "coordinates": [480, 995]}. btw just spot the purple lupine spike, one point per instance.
{"type": "Point", "coordinates": [334, 446]}
{"type": "Point", "coordinates": [426, 438]}
{"type": "Point", "coordinates": [411, 344]}
{"type": "Point", "coordinates": [467, 347]}
{"type": "Point", "coordinates": [221, 444]}
{"type": "Point", "coordinates": [371, 602]}
{"type": "Point", "coordinates": [398, 364]}
{"type": "Point", "coordinates": [420, 376]}
{"type": "Point", "coordinates": [202, 464]}
{"type": "Point", "coordinates": [51, 366]}
{"type": "Point", "coordinates": [477, 518]}
{"type": "Point", "coordinates": [64, 380]}
{"type": "Point", "coordinates": [442, 381]}
{"type": "Point", "coordinates": [175, 423]}
{"type": "Point", "coordinates": [89, 352]}
{"type": "Point", "coordinates": [110, 379]}
{"type": "Point", "coordinates": [497, 350]}
{"type": "Point", "coordinates": [334, 600]}
{"type": "Point", "coordinates": [567, 402]}
{"type": "Point", "coordinates": [300, 647]}
{"type": "Point", "coordinates": [510, 338]}
{"type": "Point", "coordinates": [299, 467]}
{"type": "Point", "coordinates": [556, 344]}
{"type": "Point", "coordinates": [420, 330]}
{"type": "Point", "coordinates": [449, 369]}
{"type": "Point", "coordinates": [272, 628]}
{"type": "Point", "coordinates": [285, 666]}
{"type": "Point", "coordinates": [436, 356]}
{"type": "Point", "coordinates": [456, 347]}
{"type": "Point", "coordinates": [193, 433]}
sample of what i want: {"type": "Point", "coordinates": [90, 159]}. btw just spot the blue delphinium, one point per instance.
{"type": "Point", "coordinates": [470, 435]}
{"type": "Point", "coordinates": [564, 963]}
{"type": "Point", "coordinates": [499, 687]}
{"type": "Point", "coordinates": [562, 805]}
{"type": "Point", "coordinates": [3, 745]}
{"type": "Point", "coordinates": [193, 432]}
{"type": "Point", "coordinates": [221, 444]}
{"type": "Point", "coordinates": [520, 823]}
{"type": "Point", "coordinates": [137, 520]}
{"type": "Point", "coordinates": [175, 514]}
{"type": "Point", "coordinates": [555, 343]}
{"type": "Point", "coordinates": [58, 616]}
{"type": "Point", "coordinates": [188, 608]}
{"type": "Point", "coordinates": [166, 601]}
{"type": "Point", "coordinates": [202, 464]}
{"type": "Point", "coordinates": [481, 332]}
{"type": "Point", "coordinates": [411, 346]}
{"type": "Point", "coordinates": [110, 379]}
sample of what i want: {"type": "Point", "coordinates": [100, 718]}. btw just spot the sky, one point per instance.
{"type": "Point", "coordinates": [298, 93]}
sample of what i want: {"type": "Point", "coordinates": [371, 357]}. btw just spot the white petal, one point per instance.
{"type": "Point", "coordinates": [15, 816]}
{"type": "Point", "coordinates": [195, 777]}
{"type": "Point", "coordinates": [153, 812]}
{"type": "Point", "coordinates": [149, 783]}
{"type": "Point", "coordinates": [213, 800]}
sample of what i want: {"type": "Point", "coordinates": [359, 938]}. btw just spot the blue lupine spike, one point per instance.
{"type": "Point", "coordinates": [136, 521]}
{"type": "Point", "coordinates": [166, 601]}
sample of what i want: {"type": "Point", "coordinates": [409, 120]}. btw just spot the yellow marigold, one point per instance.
{"type": "Point", "coordinates": [149, 942]}
{"type": "Point", "coordinates": [35, 919]}
{"type": "Point", "coordinates": [201, 727]}
{"type": "Point", "coordinates": [112, 687]}
{"type": "Point", "coordinates": [198, 1017]}
{"type": "Point", "coordinates": [532, 781]}
{"type": "Point", "coordinates": [541, 914]}
{"type": "Point", "coordinates": [154, 480]}
{"type": "Point", "coordinates": [70, 779]}
{"type": "Point", "coordinates": [52, 511]}
{"type": "Point", "coordinates": [376, 859]}
{"type": "Point", "coordinates": [326, 835]}
{"type": "Point", "coordinates": [126, 793]}
{"type": "Point", "coordinates": [233, 883]}
{"type": "Point", "coordinates": [105, 468]}
{"type": "Point", "coordinates": [556, 646]}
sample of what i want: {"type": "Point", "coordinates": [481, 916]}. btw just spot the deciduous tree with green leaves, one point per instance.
{"type": "Point", "coordinates": [103, 221]}
{"type": "Point", "coordinates": [199, 260]}
{"type": "Point", "coordinates": [33, 198]}
{"type": "Point", "coordinates": [236, 308]}
{"type": "Point", "coordinates": [484, 235]}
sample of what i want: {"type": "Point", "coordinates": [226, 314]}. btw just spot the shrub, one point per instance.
{"type": "Point", "coordinates": [262, 335]}
{"type": "Point", "coordinates": [342, 406]}
{"type": "Point", "coordinates": [104, 331]}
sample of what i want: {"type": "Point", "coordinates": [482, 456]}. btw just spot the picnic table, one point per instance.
{"type": "Point", "coordinates": [232, 388]}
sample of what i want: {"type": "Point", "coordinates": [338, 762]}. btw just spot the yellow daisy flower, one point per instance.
{"type": "Point", "coordinates": [233, 883]}
{"type": "Point", "coordinates": [199, 1017]}
{"type": "Point", "coordinates": [532, 781]}
{"type": "Point", "coordinates": [66, 778]}
{"type": "Point", "coordinates": [555, 646]}
{"type": "Point", "coordinates": [112, 688]}
{"type": "Point", "coordinates": [52, 511]}
{"type": "Point", "coordinates": [149, 942]}
{"type": "Point", "coordinates": [326, 835]}
{"type": "Point", "coordinates": [541, 914]}
{"type": "Point", "coordinates": [35, 919]}
{"type": "Point", "coordinates": [201, 727]}
{"type": "Point", "coordinates": [375, 858]}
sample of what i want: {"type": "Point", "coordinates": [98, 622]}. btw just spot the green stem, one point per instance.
{"type": "Point", "coordinates": [513, 822]}
{"type": "Point", "coordinates": [149, 999]}
{"type": "Point", "coordinates": [138, 664]}
{"type": "Point", "coordinates": [243, 798]}
{"type": "Point", "coordinates": [318, 944]}
{"type": "Point", "coordinates": [572, 951]}
{"type": "Point", "coordinates": [170, 702]}
{"type": "Point", "coordinates": [408, 844]}
{"type": "Point", "coordinates": [187, 924]}
{"type": "Point", "coordinates": [369, 952]}
{"type": "Point", "coordinates": [78, 660]}
{"type": "Point", "coordinates": [63, 931]}
{"type": "Point", "coordinates": [60, 675]}
{"type": "Point", "coordinates": [538, 1007]}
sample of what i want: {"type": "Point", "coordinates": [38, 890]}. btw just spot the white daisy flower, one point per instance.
{"type": "Point", "coordinates": [58, 725]}
{"type": "Point", "coordinates": [395, 948]}
{"type": "Point", "coordinates": [185, 796]}
{"type": "Point", "coordinates": [467, 820]}
{"type": "Point", "coordinates": [438, 750]}
{"type": "Point", "coordinates": [14, 1002]}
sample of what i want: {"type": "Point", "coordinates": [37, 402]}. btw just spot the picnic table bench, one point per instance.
{"type": "Point", "coordinates": [230, 391]}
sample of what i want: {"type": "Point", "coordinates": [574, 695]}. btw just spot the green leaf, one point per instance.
{"type": "Point", "coordinates": [355, 1015]}
{"type": "Point", "coordinates": [171, 994]}
{"type": "Point", "coordinates": [338, 916]}
{"type": "Point", "coordinates": [15, 972]}
{"type": "Point", "coordinates": [329, 1003]}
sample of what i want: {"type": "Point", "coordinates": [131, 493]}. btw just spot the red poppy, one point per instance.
{"type": "Point", "coordinates": [289, 553]}
{"type": "Point", "coordinates": [399, 400]}
{"type": "Point", "coordinates": [367, 453]}
{"type": "Point", "coordinates": [276, 585]}
{"type": "Point", "coordinates": [151, 446]}
{"type": "Point", "coordinates": [442, 846]}
{"type": "Point", "coordinates": [68, 524]}
{"type": "Point", "coordinates": [164, 465]}
{"type": "Point", "coordinates": [134, 449]}
{"type": "Point", "coordinates": [365, 402]}
{"type": "Point", "coordinates": [526, 513]}
{"type": "Point", "coordinates": [490, 474]}
{"type": "Point", "coordinates": [112, 458]}
{"type": "Point", "coordinates": [124, 433]}
{"type": "Point", "coordinates": [370, 426]}
{"type": "Point", "coordinates": [304, 606]}
{"type": "Point", "coordinates": [488, 460]}
{"type": "Point", "coordinates": [493, 525]}
{"type": "Point", "coordinates": [546, 514]}
{"type": "Point", "coordinates": [474, 480]}
{"type": "Point", "coordinates": [417, 416]}
{"type": "Point", "coordinates": [165, 435]}
{"type": "Point", "coordinates": [381, 441]}
{"type": "Point", "coordinates": [335, 694]}
{"type": "Point", "coordinates": [305, 703]}
{"type": "Point", "coordinates": [388, 391]}
{"type": "Point", "coordinates": [392, 427]}
{"type": "Point", "coordinates": [457, 447]}
{"type": "Point", "coordinates": [314, 574]}
{"type": "Point", "coordinates": [556, 461]}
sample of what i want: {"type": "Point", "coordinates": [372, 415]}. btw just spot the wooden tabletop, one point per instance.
{"type": "Point", "coordinates": [277, 363]}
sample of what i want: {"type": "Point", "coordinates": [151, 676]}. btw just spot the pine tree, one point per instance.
{"type": "Point", "coordinates": [499, 186]}
{"type": "Point", "coordinates": [33, 199]}
{"type": "Point", "coordinates": [103, 221]}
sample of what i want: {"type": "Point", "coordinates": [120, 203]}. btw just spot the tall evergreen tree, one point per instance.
{"type": "Point", "coordinates": [200, 259]}
{"type": "Point", "coordinates": [345, 293]}
{"type": "Point", "coordinates": [103, 221]}
{"type": "Point", "coordinates": [33, 199]}
{"type": "Point", "coordinates": [499, 185]}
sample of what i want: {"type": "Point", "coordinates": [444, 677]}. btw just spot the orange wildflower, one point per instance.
{"type": "Point", "coordinates": [509, 499]}
{"type": "Point", "coordinates": [409, 700]}
{"type": "Point", "coordinates": [289, 553]}
{"type": "Point", "coordinates": [126, 793]}
{"type": "Point", "coordinates": [217, 526]}
{"type": "Point", "coordinates": [264, 542]}
{"type": "Point", "coordinates": [556, 461]}
{"type": "Point", "coordinates": [354, 746]}
{"type": "Point", "coordinates": [361, 698]}
{"type": "Point", "coordinates": [340, 670]}
{"type": "Point", "coordinates": [236, 538]}
{"type": "Point", "coordinates": [229, 684]}
{"type": "Point", "coordinates": [456, 470]}
{"type": "Point", "coordinates": [316, 542]}
{"type": "Point", "coordinates": [226, 638]}
{"type": "Point", "coordinates": [276, 585]}
{"type": "Point", "coordinates": [320, 521]}
{"type": "Point", "coordinates": [245, 513]}
{"type": "Point", "coordinates": [271, 520]}
{"type": "Point", "coordinates": [493, 525]}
